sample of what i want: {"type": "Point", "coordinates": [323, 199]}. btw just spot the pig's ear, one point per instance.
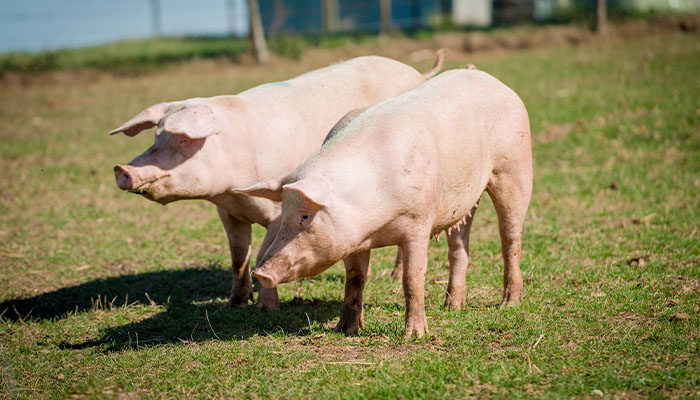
{"type": "Point", "coordinates": [147, 118]}
{"type": "Point", "coordinates": [314, 189]}
{"type": "Point", "coordinates": [271, 189]}
{"type": "Point", "coordinates": [195, 122]}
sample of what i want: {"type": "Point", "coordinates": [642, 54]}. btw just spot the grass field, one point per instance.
{"type": "Point", "coordinates": [103, 294]}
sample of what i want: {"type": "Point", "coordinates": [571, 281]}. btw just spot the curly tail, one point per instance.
{"type": "Point", "coordinates": [438, 64]}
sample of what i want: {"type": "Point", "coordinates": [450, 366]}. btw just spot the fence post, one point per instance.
{"type": "Point", "coordinates": [257, 33]}
{"type": "Point", "coordinates": [384, 15]}
{"type": "Point", "coordinates": [329, 13]}
{"type": "Point", "coordinates": [601, 17]}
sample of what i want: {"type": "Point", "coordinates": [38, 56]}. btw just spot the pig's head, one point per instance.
{"type": "Point", "coordinates": [310, 239]}
{"type": "Point", "coordinates": [182, 161]}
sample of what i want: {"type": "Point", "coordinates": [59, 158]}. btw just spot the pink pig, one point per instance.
{"type": "Point", "coordinates": [399, 173]}
{"type": "Point", "coordinates": [204, 145]}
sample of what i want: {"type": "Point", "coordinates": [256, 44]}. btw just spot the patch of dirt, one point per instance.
{"type": "Point", "coordinates": [299, 301]}
{"type": "Point", "coordinates": [482, 296]}
{"type": "Point", "coordinates": [668, 393]}
{"type": "Point", "coordinates": [357, 354]}
{"type": "Point", "coordinates": [679, 316]}
{"type": "Point", "coordinates": [552, 132]}
{"type": "Point", "coordinates": [638, 261]}
{"type": "Point", "coordinates": [527, 37]}
{"type": "Point", "coordinates": [111, 391]}
{"type": "Point", "coordinates": [485, 389]}
{"type": "Point", "coordinates": [124, 268]}
{"type": "Point", "coordinates": [684, 284]}
{"type": "Point", "coordinates": [630, 319]}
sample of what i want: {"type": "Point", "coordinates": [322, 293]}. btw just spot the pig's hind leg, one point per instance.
{"type": "Point", "coordinates": [238, 233]}
{"type": "Point", "coordinates": [510, 191]}
{"type": "Point", "coordinates": [458, 254]}
{"type": "Point", "coordinates": [397, 272]}
{"type": "Point", "coordinates": [352, 316]}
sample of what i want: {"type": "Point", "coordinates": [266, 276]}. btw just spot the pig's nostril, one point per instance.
{"type": "Point", "coordinates": [265, 279]}
{"type": "Point", "coordinates": [123, 178]}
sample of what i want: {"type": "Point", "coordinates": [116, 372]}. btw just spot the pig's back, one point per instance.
{"type": "Point", "coordinates": [329, 93]}
{"type": "Point", "coordinates": [290, 119]}
{"type": "Point", "coordinates": [456, 128]}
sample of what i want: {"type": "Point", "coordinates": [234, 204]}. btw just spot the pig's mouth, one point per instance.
{"type": "Point", "coordinates": [272, 275]}
{"type": "Point", "coordinates": [266, 279]}
{"type": "Point", "coordinates": [145, 189]}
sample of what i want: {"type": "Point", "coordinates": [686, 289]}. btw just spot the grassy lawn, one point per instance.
{"type": "Point", "coordinates": [127, 55]}
{"type": "Point", "coordinates": [104, 294]}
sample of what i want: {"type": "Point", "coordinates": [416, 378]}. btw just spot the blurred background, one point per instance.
{"type": "Point", "coordinates": [199, 28]}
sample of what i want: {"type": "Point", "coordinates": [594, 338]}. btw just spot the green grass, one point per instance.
{"type": "Point", "coordinates": [128, 55]}
{"type": "Point", "coordinates": [108, 295]}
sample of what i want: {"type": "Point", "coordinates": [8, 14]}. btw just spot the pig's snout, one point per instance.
{"type": "Point", "coordinates": [266, 277]}
{"type": "Point", "coordinates": [124, 179]}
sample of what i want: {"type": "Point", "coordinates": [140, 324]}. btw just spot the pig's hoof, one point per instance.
{"type": "Point", "coordinates": [267, 304]}
{"type": "Point", "coordinates": [240, 297]}
{"type": "Point", "coordinates": [350, 322]}
{"type": "Point", "coordinates": [237, 302]}
{"type": "Point", "coordinates": [397, 274]}
{"type": "Point", "coordinates": [416, 326]}
{"type": "Point", "coordinates": [511, 298]}
{"type": "Point", "coordinates": [455, 302]}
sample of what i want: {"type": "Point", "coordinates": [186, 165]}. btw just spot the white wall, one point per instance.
{"type": "Point", "coordinates": [472, 12]}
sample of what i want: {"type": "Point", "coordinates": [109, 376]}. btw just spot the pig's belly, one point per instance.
{"type": "Point", "coordinates": [455, 205]}
{"type": "Point", "coordinates": [460, 187]}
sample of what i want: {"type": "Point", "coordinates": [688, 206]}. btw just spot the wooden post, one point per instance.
{"type": "Point", "coordinates": [329, 13]}
{"type": "Point", "coordinates": [384, 15]}
{"type": "Point", "coordinates": [257, 33]}
{"type": "Point", "coordinates": [601, 17]}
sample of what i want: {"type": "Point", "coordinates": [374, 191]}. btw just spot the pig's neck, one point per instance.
{"type": "Point", "coordinates": [358, 212]}
{"type": "Point", "coordinates": [239, 169]}
{"type": "Point", "coordinates": [249, 209]}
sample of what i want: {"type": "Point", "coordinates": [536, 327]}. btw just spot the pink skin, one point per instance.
{"type": "Point", "coordinates": [400, 173]}
{"type": "Point", "coordinates": [203, 146]}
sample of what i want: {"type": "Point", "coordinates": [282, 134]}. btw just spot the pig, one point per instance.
{"type": "Point", "coordinates": [398, 173]}
{"type": "Point", "coordinates": [202, 145]}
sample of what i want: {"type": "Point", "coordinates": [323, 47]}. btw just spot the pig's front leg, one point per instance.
{"type": "Point", "coordinates": [238, 233]}
{"type": "Point", "coordinates": [415, 256]}
{"type": "Point", "coordinates": [351, 316]}
{"type": "Point", "coordinates": [267, 297]}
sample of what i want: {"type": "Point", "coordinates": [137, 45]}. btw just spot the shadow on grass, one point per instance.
{"type": "Point", "coordinates": [189, 316]}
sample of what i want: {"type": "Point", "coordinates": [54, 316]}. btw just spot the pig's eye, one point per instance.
{"type": "Point", "coordinates": [303, 218]}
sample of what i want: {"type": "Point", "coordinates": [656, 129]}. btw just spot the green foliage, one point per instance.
{"type": "Point", "coordinates": [289, 46]}
{"type": "Point", "coordinates": [132, 55]}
